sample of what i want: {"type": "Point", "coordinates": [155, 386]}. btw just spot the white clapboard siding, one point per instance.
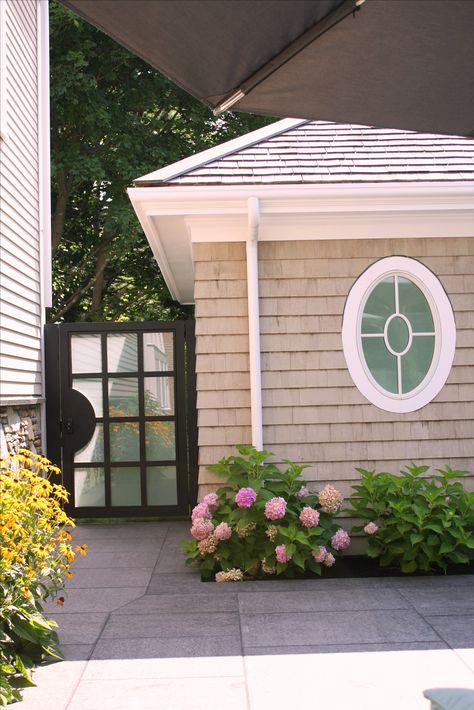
{"type": "Point", "coordinates": [20, 302]}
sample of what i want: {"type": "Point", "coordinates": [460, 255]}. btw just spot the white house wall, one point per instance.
{"type": "Point", "coordinates": [20, 264]}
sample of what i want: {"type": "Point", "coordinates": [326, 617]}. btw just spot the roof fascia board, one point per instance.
{"type": "Point", "coordinates": [293, 199]}
{"type": "Point", "coordinates": [220, 151]}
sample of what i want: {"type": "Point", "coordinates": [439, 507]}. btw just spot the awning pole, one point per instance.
{"type": "Point", "coordinates": [254, 322]}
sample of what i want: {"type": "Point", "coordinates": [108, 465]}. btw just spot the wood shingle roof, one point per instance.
{"type": "Point", "coordinates": [324, 152]}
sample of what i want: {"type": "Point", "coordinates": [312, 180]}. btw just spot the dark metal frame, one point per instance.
{"type": "Point", "coordinates": [59, 414]}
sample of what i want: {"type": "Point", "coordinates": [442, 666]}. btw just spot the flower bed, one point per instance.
{"type": "Point", "coordinates": [35, 556]}
{"type": "Point", "coordinates": [264, 522]}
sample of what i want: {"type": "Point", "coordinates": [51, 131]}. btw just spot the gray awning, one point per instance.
{"type": "Point", "coordinates": [405, 64]}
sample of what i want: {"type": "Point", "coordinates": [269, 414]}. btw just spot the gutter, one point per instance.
{"type": "Point", "coordinates": [253, 207]}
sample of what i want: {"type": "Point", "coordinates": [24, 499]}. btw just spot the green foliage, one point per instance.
{"type": "Point", "coordinates": [35, 555]}
{"type": "Point", "coordinates": [424, 522]}
{"type": "Point", "coordinates": [113, 119]}
{"type": "Point", "coordinates": [255, 535]}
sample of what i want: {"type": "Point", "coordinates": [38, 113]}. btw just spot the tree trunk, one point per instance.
{"type": "Point", "coordinates": [100, 264]}
{"type": "Point", "coordinates": [63, 187]}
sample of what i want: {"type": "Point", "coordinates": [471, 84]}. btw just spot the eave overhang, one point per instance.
{"type": "Point", "coordinates": [174, 217]}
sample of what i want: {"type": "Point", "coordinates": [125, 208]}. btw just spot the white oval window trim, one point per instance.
{"type": "Point", "coordinates": [445, 334]}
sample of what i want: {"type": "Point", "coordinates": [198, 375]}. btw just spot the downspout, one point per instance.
{"type": "Point", "coordinates": [44, 193]}
{"type": "Point", "coordinates": [253, 206]}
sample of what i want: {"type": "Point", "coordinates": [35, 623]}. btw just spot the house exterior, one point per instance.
{"type": "Point", "coordinates": [25, 261]}
{"type": "Point", "coordinates": [332, 271]}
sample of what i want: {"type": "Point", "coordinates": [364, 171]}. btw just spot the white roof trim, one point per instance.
{"type": "Point", "coordinates": [219, 151]}
{"type": "Point", "coordinates": [175, 216]}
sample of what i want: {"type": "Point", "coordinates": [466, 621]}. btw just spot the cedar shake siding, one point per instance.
{"type": "Point", "coordinates": [222, 353]}
{"type": "Point", "coordinates": [312, 411]}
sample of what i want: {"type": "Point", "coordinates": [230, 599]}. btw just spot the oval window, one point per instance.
{"type": "Point", "coordinates": [398, 334]}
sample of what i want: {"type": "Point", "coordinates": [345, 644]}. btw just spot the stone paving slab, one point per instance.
{"type": "Point", "coordinates": [117, 560]}
{"type": "Point", "coordinates": [167, 693]}
{"type": "Point", "coordinates": [177, 624]}
{"type": "Point", "coordinates": [110, 578]}
{"type": "Point", "coordinates": [82, 628]}
{"type": "Point", "coordinates": [56, 684]}
{"type": "Point", "coordinates": [301, 628]}
{"type": "Point", "coordinates": [95, 599]}
{"type": "Point", "coordinates": [169, 647]}
{"type": "Point", "coordinates": [340, 599]}
{"type": "Point", "coordinates": [442, 599]}
{"type": "Point", "coordinates": [171, 667]}
{"type": "Point", "coordinates": [391, 680]}
{"type": "Point", "coordinates": [457, 631]}
{"type": "Point", "coordinates": [344, 648]}
{"type": "Point", "coordinates": [120, 531]}
{"type": "Point", "coordinates": [153, 603]}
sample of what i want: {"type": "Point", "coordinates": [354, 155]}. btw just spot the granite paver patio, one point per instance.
{"type": "Point", "coordinates": [139, 630]}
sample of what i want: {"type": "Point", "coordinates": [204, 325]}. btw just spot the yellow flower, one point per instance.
{"type": "Point", "coordinates": [82, 549]}
{"type": "Point", "coordinates": [69, 575]}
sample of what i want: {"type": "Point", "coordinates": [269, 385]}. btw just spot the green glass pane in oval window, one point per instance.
{"type": "Point", "coordinates": [379, 306]}
{"type": "Point", "coordinates": [382, 365]}
{"type": "Point", "coordinates": [397, 334]}
{"type": "Point", "coordinates": [413, 305]}
{"type": "Point", "coordinates": [417, 361]}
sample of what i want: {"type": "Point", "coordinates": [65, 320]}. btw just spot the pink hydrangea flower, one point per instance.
{"type": "Point", "coordinates": [223, 531]}
{"type": "Point", "coordinates": [320, 556]}
{"type": "Point", "coordinates": [202, 528]}
{"type": "Point", "coordinates": [340, 540]}
{"type": "Point", "coordinates": [275, 508]}
{"type": "Point", "coordinates": [302, 493]}
{"type": "Point", "coordinates": [245, 497]}
{"type": "Point", "coordinates": [212, 501]}
{"type": "Point", "coordinates": [201, 510]}
{"type": "Point", "coordinates": [371, 528]}
{"type": "Point", "coordinates": [309, 517]}
{"type": "Point", "coordinates": [282, 557]}
{"type": "Point", "coordinates": [329, 560]}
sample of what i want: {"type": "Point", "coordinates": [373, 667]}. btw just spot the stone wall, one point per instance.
{"type": "Point", "coordinates": [20, 427]}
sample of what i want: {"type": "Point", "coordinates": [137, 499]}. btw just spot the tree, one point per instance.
{"type": "Point", "coordinates": [113, 118]}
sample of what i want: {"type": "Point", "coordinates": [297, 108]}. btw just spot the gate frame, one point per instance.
{"type": "Point", "coordinates": [58, 375]}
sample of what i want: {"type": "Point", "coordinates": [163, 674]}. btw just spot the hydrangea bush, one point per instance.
{"type": "Point", "coordinates": [264, 521]}
{"type": "Point", "coordinates": [35, 556]}
{"type": "Point", "coordinates": [415, 521]}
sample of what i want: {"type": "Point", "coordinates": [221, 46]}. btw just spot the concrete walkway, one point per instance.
{"type": "Point", "coordinates": [141, 631]}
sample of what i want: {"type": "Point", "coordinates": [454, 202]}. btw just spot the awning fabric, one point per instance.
{"type": "Point", "coordinates": [405, 64]}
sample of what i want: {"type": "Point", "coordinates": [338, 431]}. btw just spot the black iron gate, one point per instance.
{"type": "Point", "coordinates": [121, 416]}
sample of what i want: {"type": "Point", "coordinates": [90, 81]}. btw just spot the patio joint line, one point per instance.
{"type": "Point", "coordinates": [426, 620]}
{"type": "Point", "coordinates": [242, 655]}
{"type": "Point", "coordinates": [79, 680]}
{"type": "Point", "coordinates": [165, 537]}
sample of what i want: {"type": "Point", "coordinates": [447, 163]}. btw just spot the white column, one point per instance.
{"type": "Point", "coordinates": [254, 322]}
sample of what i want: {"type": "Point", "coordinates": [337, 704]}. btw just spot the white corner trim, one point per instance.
{"type": "Point", "coordinates": [44, 170]}
{"type": "Point", "coordinates": [445, 334]}
{"type": "Point", "coordinates": [220, 151]}
{"type": "Point", "coordinates": [254, 323]}
{"type": "Point", "coordinates": [3, 71]}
